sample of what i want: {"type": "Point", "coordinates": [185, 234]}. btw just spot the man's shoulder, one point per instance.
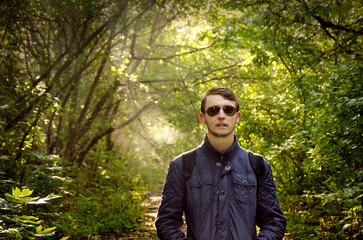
{"type": "Point", "coordinates": [255, 155]}
{"type": "Point", "coordinates": [178, 159]}
{"type": "Point", "coordinates": [180, 156]}
{"type": "Point", "coordinates": [197, 149]}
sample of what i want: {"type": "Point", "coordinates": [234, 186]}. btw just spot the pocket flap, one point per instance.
{"type": "Point", "coordinates": [244, 179]}
{"type": "Point", "coordinates": [199, 181]}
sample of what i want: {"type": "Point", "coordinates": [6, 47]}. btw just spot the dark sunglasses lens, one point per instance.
{"type": "Point", "coordinates": [229, 110]}
{"type": "Point", "coordinates": [212, 111]}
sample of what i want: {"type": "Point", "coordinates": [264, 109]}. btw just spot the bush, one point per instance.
{"type": "Point", "coordinates": [106, 214]}
{"type": "Point", "coordinates": [15, 221]}
{"type": "Point", "coordinates": [107, 205]}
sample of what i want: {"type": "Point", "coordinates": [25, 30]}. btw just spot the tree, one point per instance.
{"type": "Point", "coordinates": [312, 48]}
{"type": "Point", "coordinates": [73, 76]}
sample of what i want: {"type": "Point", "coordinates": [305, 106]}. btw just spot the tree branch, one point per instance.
{"type": "Point", "coordinates": [108, 131]}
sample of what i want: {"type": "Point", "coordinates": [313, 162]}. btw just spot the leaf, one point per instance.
{"type": "Point", "coordinates": [11, 198]}
{"type": "Point", "coordinates": [27, 219]}
{"type": "Point", "coordinates": [39, 201]}
{"type": "Point", "coordinates": [26, 199]}
{"type": "Point", "coordinates": [346, 226]}
{"type": "Point", "coordinates": [39, 229]}
{"type": "Point", "coordinates": [48, 230]}
{"type": "Point", "coordinates": [26, 192]}
{"type": "Point", "coordinates": [44, 200]}
{"type": "Point", "coordinates": [45, 232]}
{"type": "Point", "coordinates": [12, 231]}
{"type": "Point", "coordinates": [16, 193]}
{"type": "Point", "coordinates": [5, 107]}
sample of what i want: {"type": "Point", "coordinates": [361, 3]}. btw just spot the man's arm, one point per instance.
{"type": "Point", "coordinates": [169, 220]}
{"type": "Point", "coordinates": [269, 217]}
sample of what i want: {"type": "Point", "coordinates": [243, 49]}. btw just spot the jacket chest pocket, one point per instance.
{"type": "Point", "coordinates": [200, 191]}
{"type": "Point", "coordinates": [245, 188]}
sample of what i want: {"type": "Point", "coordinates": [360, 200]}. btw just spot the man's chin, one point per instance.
{"type": "Point", "coordinates": [221, 134]}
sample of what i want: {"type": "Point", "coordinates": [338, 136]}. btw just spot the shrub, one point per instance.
{"type": "Point", "coordinates": [15, 222]}
{"type": "Point", "coordinates": [108, 204]}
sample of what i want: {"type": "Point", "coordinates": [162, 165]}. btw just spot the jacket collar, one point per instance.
{"type": "Point", "coordinates": [226, 155]}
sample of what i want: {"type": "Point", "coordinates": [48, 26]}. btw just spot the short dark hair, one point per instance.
{"type": "Point", "coordinates": [224, 92]}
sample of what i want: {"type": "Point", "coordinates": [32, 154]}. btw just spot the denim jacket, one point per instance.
{"type": "Point", "coordinates": [223, 199]}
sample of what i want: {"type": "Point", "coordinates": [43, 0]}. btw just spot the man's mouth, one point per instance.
{"type": "Point", "coordinates": [221, 125]}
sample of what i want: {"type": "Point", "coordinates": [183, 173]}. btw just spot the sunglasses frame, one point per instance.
{"type": "Point", "coordinates": [215, 111]}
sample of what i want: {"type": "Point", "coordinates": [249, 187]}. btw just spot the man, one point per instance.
{"type": "Point", "coordinates": [223, 198]}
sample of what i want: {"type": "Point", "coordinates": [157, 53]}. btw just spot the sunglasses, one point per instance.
{"type": "Point", "coordinates": [228, 110]}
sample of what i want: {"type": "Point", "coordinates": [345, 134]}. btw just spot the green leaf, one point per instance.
{"type": "Point", "coordinates": [45, 232]}
{"type": "Point", "coordinates": [16, 193]}
{"type": "Point", "coordinates": [27, 219]}
{"type": "Point", "coordinates": [39, 229]}
{"type": "Point", "coordinates": [26, 199]}
{"type": "Point", "coordinates": [11, 198]}
{"type": "Point", "coordinates": [26, 192]}
{"type": "Point", "coordinates": [48, 230]}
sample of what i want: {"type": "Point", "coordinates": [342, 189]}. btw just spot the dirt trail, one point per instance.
{"type": "Point", "coordinates": [147, 229]}
{"type": "Point", "coordinates": [151, 204]}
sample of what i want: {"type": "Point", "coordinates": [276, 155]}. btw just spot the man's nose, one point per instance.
{"type": "Point", "coordinates": [221, 113]}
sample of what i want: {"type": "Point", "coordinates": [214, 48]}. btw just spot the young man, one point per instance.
{"type": "Point", "coordinates": [223, 198]}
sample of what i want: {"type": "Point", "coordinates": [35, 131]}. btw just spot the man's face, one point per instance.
{"type": "Point", "coordinates": [220, 125]}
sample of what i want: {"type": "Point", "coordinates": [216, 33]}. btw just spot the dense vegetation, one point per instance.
{"type": "Point", "coordinates": [97, 96]}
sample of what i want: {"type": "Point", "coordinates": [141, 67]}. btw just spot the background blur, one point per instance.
{"type": "Point", "coordinates": [98, 96]}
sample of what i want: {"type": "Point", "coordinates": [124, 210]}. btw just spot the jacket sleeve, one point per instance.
{"type": "Point", "coordinates": [269, 216]}
{"type": "Point", "coordinates": [169, 219]}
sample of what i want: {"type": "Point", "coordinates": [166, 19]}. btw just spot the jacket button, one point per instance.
{"type": "Point", "coordinates": [218, 164]}
{"type": "Point", "coordinates": [227, 168]}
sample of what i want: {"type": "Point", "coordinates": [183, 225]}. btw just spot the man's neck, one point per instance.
{"type": "Point", "coordinates": [221, 144]}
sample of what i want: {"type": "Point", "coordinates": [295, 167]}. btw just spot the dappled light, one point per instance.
{"type": "Point", "coordinates": [98, 97]}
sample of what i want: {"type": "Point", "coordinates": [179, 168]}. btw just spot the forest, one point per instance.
{"type": "Point", "coordinates": [97, 97]}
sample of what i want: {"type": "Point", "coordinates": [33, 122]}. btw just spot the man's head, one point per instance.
{"type": "Point", "coordinates": [224, 92]}
{"type": "Point", "coordinates": [219, 111]}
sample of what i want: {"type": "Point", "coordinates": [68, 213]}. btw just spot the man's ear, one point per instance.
{"type": "Point", "coordinates": [238, 117]}
{"type": "Point", "coordinates": [202, 117]}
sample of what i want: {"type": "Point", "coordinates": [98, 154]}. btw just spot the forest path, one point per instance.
{"type": "Point", "coordinates": [151, 205]}
{"type": "Point", "coordinates": [147, 229]}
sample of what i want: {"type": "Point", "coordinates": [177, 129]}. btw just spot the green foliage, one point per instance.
{"type": "Point", "coordinates": [75, 78]}
{"type": "Point", "coordinates": [56, 57]}
{"type": "Point", "coordinates": [305, 118]}
{"type": "Point", "coordinates": [109, 205]}
{"type": "Point", "coordinates": [105, 214]}
{"type": "Point", "coordinates": [15, 224]}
